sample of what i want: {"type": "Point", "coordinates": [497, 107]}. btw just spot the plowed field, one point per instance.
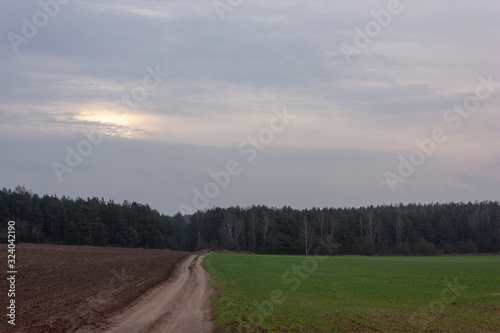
{"type": "Point", "coordinates": [63, 288]}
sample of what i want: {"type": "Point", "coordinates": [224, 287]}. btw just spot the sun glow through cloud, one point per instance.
{"type": "Point", "coordinates": [106, 117]}
{"type": "Point", "coordinates": [163, 134]}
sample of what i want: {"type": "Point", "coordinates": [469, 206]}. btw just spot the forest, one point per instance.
{"type": "Point", "coordinates": [413, 229]}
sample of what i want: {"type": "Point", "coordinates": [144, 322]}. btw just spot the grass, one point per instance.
{"type": "Point", "coordinates": [258, 293]}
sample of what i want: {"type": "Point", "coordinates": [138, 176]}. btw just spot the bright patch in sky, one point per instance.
{"type": "Point", "coordinates": [105, 117]}
{"type": "Point", "coordinates": [227, 72]}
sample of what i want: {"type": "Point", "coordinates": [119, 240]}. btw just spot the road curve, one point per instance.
{"type": "Point", "coordinates": [181, 305]}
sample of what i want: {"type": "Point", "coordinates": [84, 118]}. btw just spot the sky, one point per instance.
{"type": "Point", "coordinates": [189, 105]}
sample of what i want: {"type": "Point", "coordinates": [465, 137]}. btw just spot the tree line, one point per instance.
{"type": "Point", "coordinates": [413, 229]}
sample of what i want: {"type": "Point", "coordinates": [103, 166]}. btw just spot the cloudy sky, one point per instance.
{"type": "Point", "coordinates": [308, 104]}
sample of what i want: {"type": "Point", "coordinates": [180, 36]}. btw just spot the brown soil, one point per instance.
{"type": "Point", "coordinates": [63, 288]}
{"type": "Point", "coordinates": [181, 305]}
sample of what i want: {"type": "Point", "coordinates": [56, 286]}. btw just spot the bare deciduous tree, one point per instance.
{"type": "Point", "coordinates": [371, 226]}
{"type": "Point", "coordinates": [399, 225]}
{"type": "Point", "coordinates": [231, 228]}
{"type": "Point", "coordinates": [334, 225]}
{"type": "Point", "coordinates": [266, 224]}
{"type": "Point", "coordinates": [473, 219]}
{"type": "Point", "coordinates": [254, 224]}
{"type": "Point", "coordinates": [238, 230]}
{"type": "Point", "coordinates": [322, 222]}
{"type": "Point", "coordinates": [307, 235]}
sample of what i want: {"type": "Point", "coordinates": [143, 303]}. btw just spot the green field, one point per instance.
{"type": "Point", "coordinates": [258, 293]}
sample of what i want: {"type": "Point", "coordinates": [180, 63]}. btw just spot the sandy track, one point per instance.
{"type": "Point", "coordinates": [180, 305]}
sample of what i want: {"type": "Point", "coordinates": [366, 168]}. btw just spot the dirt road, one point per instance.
{"type": "Point", "coordinates": [180, 306]}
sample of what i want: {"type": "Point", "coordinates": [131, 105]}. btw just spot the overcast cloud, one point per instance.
{"type": "Point", "coordinates": [355, 115]}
